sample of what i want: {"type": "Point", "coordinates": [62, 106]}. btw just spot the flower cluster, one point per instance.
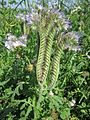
{"type": "Point", "coordinates": [29, 18]}
{"type": "Point", "coordinates": [61, 16]}
{"type": "Point", "coordinates": [73, 35]}
{"type": "Point", "coordinates": [73, 39]}
{"type": "Point", "coordinates": [13, 42]}
{"type": "Point", "coordinates": [21, 16]}
{"type": "Point", "coordinates": [67, 24]}
{"type": "Point", "coordinates": [58, 16]}
{"type": "Point", "coordinates": [35, 16]}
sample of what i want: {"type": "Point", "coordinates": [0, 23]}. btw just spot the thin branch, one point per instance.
{"type": "Point", "coordinates": [18, 4]}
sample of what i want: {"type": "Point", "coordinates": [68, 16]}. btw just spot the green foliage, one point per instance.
{"type": "Point", "coordinates": [64, 75]}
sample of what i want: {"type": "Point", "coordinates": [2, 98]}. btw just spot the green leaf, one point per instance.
{"type": "Point", "coordinates": [23, 106]}
{"type": "Point", "coordinates": [3, 83]}
{"type": "Point", "coordinates": [29, 109]}
{"type": "Point", "coordinates": [65, 113]}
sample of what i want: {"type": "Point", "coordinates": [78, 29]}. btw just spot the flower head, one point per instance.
{"type": "Point", "coordinates": [13, 42]}
{"type": "Point", "coordinates": [9, 45]}
{"type": "Point", "coordinates": [21, 17]}
{"type": "Point", "coordinates": [29, 18]}
{"type": "Point", "coordinates": [23, 38]}
{"type": "Point", "coordinates": [66, 24]}
{"type": "Point", "coordinates": [61, 15]}
{"type": "Point", "coordinates": [74, 35]}
{"type": "Point", "coordinates": [9, 37]}
{"type": "Point", "coordinates": [72, 40]}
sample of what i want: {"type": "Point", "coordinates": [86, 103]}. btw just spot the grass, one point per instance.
{"type": "Point", "coordinates": [21, 97]}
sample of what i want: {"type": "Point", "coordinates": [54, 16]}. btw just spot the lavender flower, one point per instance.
{"type": "Point", "coordinates": [35, 17]}
{"type": "Point", "coordinates": [57, 16]}
{"type": "Point", "coordinates": [9, 37]}
{"type": "Point", "coordinates": [61, 15]}
{"type": "Point", "coordinates": [71, 40]}
{"type": "Point", "coordinates": [28, 19]}
{"type": "Point", "coordinates": [73, 35]}
{"type": "Point", "coordinates": [66, 24]}
{"type": "Point", "coordinates": [25, 18]}
{"type": "Point", "coordinates": [77, 37]}
{"type": "Point", "coordinates": [13, 42]}
{"type": "Point", "coordinates": [9, 45]}
{"type": "Point", "coordinates": [23, 39]}
{"type": "Point", "coordinates": [21, 16]}
{"type": "Point", "coordinates": [73, 48]}
{"type": "Point", "coordinates": [53, 11]}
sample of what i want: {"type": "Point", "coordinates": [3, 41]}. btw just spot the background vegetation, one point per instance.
{"type": "Point", "coordinates": [20, 94]}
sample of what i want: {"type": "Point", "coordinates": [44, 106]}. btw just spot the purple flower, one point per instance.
{"type": "Point", "coordinates": [23, 38]}
{"type": "Point", "coordinates": [9, 37]}
{"type": "Point", "coordinates": [32, 18]}
{"type": "Point", "coordinates": [73, 35]}
{"type": "Point", "coordinates": [61, 15]}
{"type": "Point", "coordinates": [21, 16]}
{"type": "Point", "coordinates": [28, 19]}
{"type": "Point", "coordinates": [66, 24]}
{"type": "Point", "coordinates": [77, 36]}
{"type": "Point", "coordinates": [35, 16]}
{"type": "Point", "coordinates": [73, 48]}
{"type": "Point", "coordinates": [55, 11]}
{"type": "Point", "coordinates": [13, 42]}
{"type": "Point", "coordinates": [72, 41]}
